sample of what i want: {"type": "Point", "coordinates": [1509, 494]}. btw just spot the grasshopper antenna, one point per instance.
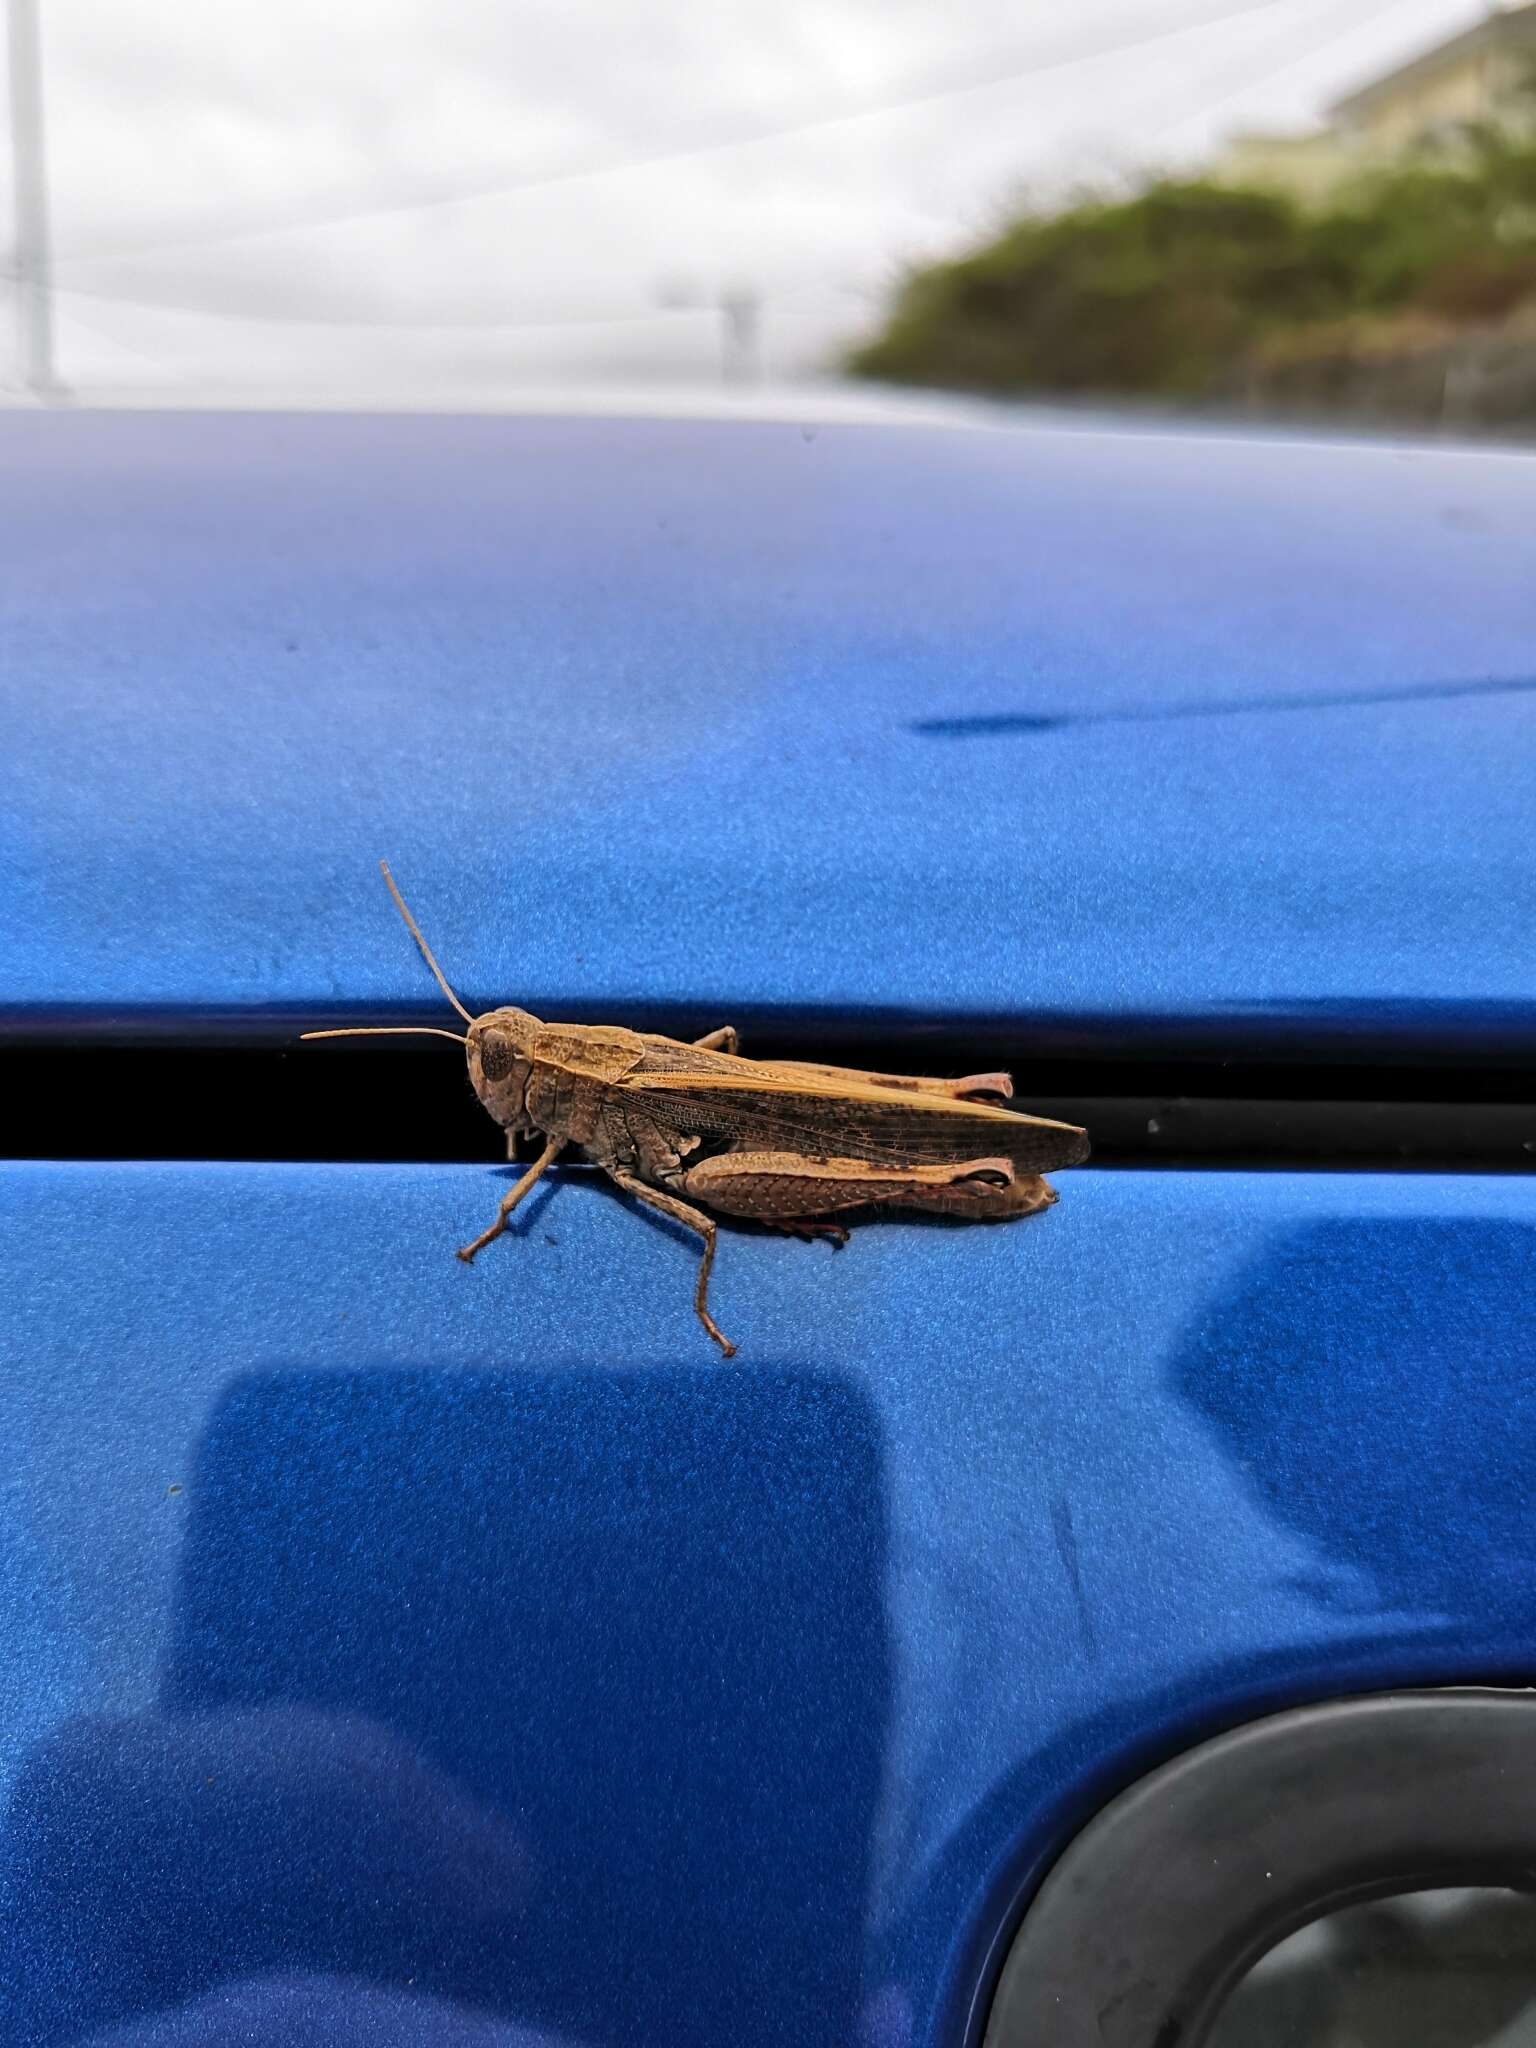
{"type": "Point", "coordinates": [426, 950]}
{"type": "Point", "coordinates": [389, 1031]}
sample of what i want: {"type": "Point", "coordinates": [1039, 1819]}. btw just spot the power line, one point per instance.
{"type": "Point", "coordinates": [302, 316]}
{"type": "Point", "coordinates": [526, 319]}
{"type": "Point", "coordinates": [1246, 82]}
{"type": "Point", "coordinates": [969, 81]}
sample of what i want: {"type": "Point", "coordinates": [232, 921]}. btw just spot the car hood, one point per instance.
{"type": "Point", "coordinates": [1111, 735]}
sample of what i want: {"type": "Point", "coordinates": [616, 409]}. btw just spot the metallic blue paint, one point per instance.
{"type": "Point", "coordinates": [390, 1644]}
{"type": "Point", "coordinates": [399, 1653]}
{"type": "Point", "coordinates": [1119, 732]}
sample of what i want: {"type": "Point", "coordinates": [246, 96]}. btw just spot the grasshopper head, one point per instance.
{"type": "Point", "coordinates": [500, 1061]}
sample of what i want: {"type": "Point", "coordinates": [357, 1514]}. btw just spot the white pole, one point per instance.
{"type": "Point", "coordinates": [34, 304]}
{"type": "Point", "coordinates": [740, 331]}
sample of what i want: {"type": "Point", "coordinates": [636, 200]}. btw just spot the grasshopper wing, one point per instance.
{"type": "Point", "coordinates": [819, 1117]}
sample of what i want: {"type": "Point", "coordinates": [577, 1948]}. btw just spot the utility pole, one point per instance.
{"type": "Point", "coordinates": [740, 335]}
{"type": "Point", "coordinates": [740, 307]}
{"type": "Point", "coordinates": [34, 304]}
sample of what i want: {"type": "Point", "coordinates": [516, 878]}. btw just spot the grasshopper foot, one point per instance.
{"type": "Point", "coordinates": [727, 1347]}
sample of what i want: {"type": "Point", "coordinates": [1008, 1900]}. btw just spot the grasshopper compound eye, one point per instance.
{"type": "Point", "coordinates": [497, 1056]}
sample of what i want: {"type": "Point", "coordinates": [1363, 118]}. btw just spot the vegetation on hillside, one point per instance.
{"type": "Point", "coordinates": [1194, 291]}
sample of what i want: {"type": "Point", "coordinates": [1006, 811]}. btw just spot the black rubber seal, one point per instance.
{"type": "Point", "coordinates": [405, 1099]}
{"type": "Point", "coordinates": [1166, 1898]}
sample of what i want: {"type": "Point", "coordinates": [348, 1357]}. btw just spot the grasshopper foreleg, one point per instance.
{"type": "Point", "coordinates": [510, 1200]}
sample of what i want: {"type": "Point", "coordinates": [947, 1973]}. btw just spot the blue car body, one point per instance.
{"type": "Point", "coordinates": [400, 1652]}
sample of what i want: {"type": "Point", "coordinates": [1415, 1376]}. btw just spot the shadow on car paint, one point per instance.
{"type": "Point", "coordinates": [415, 1607]}
{"type": "Point", "coordinates": [1373, 1433]}
{"type": "Point", "coordinates": [1004, 724]}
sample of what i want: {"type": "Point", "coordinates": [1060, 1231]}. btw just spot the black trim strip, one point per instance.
{"type": "Point", "coordinates": [1164, 1900]}
{"type": "Point", "coordinates": [1363, 1033]}
{"type": "Point", "coordinates": [394, 1099]}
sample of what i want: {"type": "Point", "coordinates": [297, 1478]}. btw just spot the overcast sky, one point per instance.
{"type": "Point", "coordinates": [441, 195]}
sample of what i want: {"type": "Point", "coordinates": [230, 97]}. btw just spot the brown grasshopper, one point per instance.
{"type": "Point", "coordinates": [784, 1142]}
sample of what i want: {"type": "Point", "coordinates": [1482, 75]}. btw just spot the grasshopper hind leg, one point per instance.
{"type": "Point", "coordinates": [784, 1187]}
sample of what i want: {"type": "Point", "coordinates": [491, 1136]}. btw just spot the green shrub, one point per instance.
{"type": "Point", "coordinates": [1168, 292]}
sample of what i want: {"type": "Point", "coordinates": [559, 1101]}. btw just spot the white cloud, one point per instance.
{"type": "Point", "coordinates": [423, 193]}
